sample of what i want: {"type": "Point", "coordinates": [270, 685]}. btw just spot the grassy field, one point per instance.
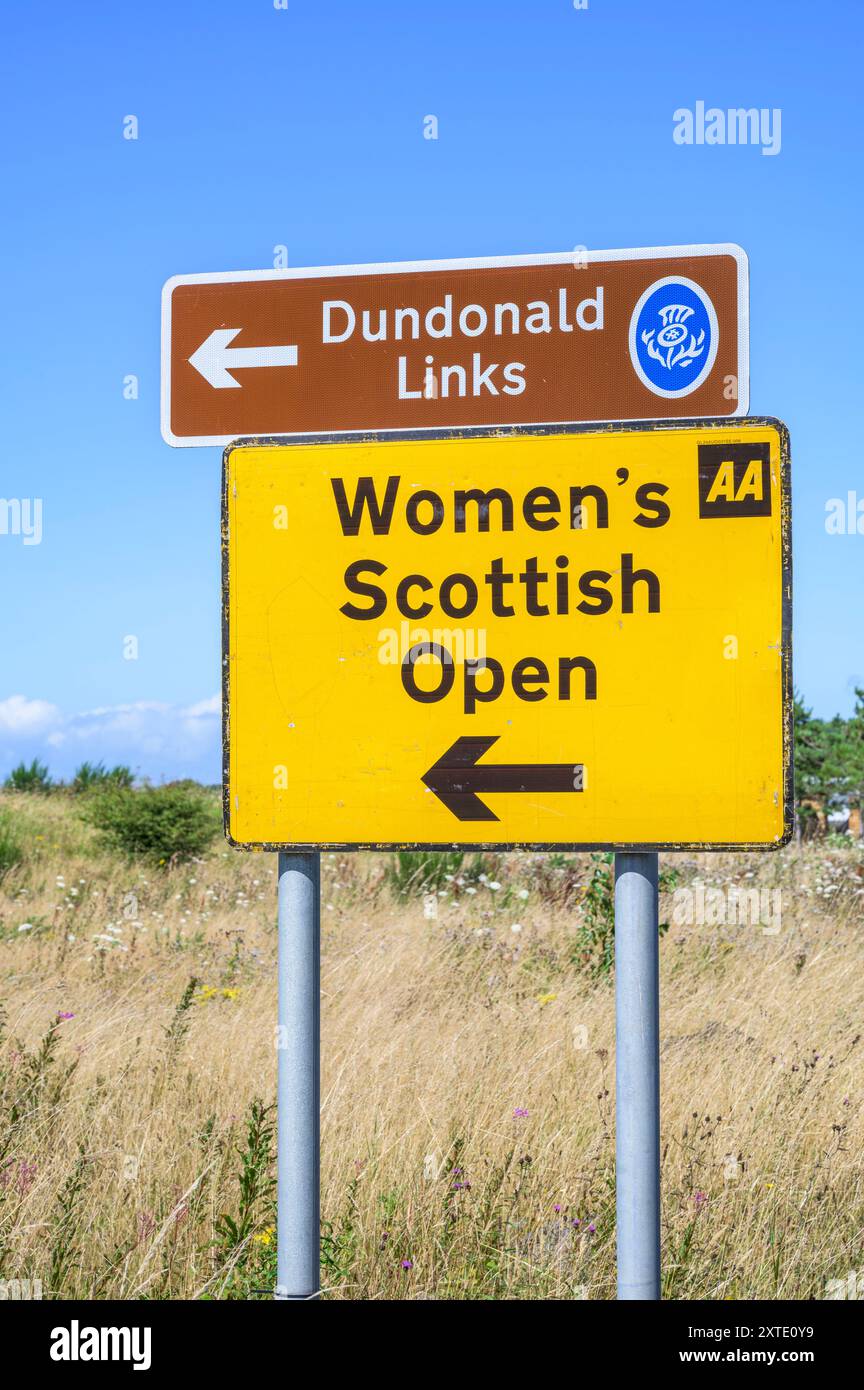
{"type": "Point", "coordinates": [468, 1075]}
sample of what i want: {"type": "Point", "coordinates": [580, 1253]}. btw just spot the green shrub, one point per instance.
{"type": "Point", "coordinates": [414, 872]}
{"type": "Point", "coordinates": [11, 852]}
{"type": "Point", "coordinates": [410, 873]}
{"type": "Point", "coordinates": [163, 824]}
{"type": "Point", "coordinates": [29, 778]}
{"type": "Point", "coordinates": [594, 941]}
{"type": "Point", "coordinates": [92, 776]}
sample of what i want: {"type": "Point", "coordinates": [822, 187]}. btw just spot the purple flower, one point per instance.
{"type": "Point", "coordinates": [25, 1177]}
{"type": "Point", "coordinates": [592, 1229]}
{"type": "Point", "coordinates": [699, 1199]}
{"type": "Point", "coordinates": [519, 1113]}
{"type": "Point", "coordinates": [407, 1264]}
{"type": "Point", "coordinates": [61, 1018]}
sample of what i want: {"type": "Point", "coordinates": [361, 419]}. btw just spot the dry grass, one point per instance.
{"type": "Point", "coordinates": [121, 1140]}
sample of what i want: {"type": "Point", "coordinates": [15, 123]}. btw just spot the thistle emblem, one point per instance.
{"type": "Point", "coordinates": [671, 347]}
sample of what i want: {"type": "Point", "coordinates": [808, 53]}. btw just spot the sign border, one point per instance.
{"type": "Point", "coordinates": [645, 253]}
{"type": "Point", "coordinates": [481, 431]}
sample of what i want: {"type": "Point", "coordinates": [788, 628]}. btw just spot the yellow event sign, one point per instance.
{"type": "Point", "coordinates": [552, 636]}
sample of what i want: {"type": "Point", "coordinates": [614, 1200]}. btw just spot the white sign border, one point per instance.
{"type": "Point", "coordinates": [578, 255]}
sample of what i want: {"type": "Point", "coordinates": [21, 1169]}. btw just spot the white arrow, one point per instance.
{"type": "Point", "coordinates": [213, 358]}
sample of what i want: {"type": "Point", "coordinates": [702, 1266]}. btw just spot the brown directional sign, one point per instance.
{"type": "Point", "coordinates": [576, 336]}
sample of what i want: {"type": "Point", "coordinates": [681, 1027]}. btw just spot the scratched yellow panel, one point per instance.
{"type": "Point", "coordinates": [607, 666]}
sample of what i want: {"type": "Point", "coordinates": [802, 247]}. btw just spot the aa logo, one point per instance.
{"type": "Point", "coordinates": [734, 480]}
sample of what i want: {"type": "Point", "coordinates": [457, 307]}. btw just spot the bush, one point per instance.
{"type": "Point", "coordinates": [163, 824]}
{"type": "Point", "coordinates": [92, 776]}
{"type": "Point", "coordinates": [29, 778]}
{"type": "Point", "coordinates": [11, 852]}
{"type": "Point", "coordinates": [594, 941]}
{"type": "Point", "coordinates": [415, 872]}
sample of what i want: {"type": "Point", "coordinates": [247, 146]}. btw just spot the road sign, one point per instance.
{"type": "Point", "coordinates": [581, 335]}
{"type": "Point", "coordinates": [558, 637]}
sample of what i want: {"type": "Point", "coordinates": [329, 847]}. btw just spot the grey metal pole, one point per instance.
{"type": "Point", "coordinates": [637, 1076]}
{"type": "Point", "coordinates": [298, 1250]}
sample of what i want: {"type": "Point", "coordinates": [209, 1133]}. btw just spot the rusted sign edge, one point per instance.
{"type": "Point", "coordinates": [503, 431]}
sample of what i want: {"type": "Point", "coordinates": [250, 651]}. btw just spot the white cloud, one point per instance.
{"type": "Point", "coordinates": [156, 739]}
{"type": "Point", "coordinates": [204, 707]}
{"type": "Point", "coordinates": [18, 715]}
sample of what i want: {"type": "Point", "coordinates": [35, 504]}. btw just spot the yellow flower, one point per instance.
{"type": "Point", "coordinates": [546, 999]}
{"type": "Point", "coordinates": [264, 1237]}
{"type": "Point", "coordinates": [230, 993]}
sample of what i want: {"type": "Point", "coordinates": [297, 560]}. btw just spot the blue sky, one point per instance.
{"type": "Point", "coordinates": [303, 126]}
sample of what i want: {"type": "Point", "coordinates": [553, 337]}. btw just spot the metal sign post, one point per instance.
{"type": "Point", "coordinates": [583, 557]}
{"type": "Point", "coordinates": [637, 1076]}
{"type": "Point", "coordinates": [298, 1268]}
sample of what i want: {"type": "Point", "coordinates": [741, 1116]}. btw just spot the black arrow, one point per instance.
{"type": "Point", "coordinates": [456, 778]}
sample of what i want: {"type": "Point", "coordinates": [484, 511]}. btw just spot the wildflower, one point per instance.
{"type": "Point", "coordinates": [523, 894]}
{"type": "Point", "coordinates": [592, 1229]}
{"type": "Point", "coordinates": [230, 993]}
{"type": "Point", "coordinates": [519, 1113]}
{"type": "Point", "coordinates": [264, 1237]}
{"type": "Point", "coordinates": [546, 999]}
{"type": "Point", "coordinates": [25, 1177]}
{"type": "Point", "coordinates": [146, 1225]}
{"type": "Point", "coordinates": [406, 1264]}
{"type": "Point", "coordinates": [26, 926]}
{"type": "Point", "coordinates": [62, 1018]}
{"type": "Point", "coordinates": [516, 927]}
{"type": "Point", "coordinates": [699, 1199]}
